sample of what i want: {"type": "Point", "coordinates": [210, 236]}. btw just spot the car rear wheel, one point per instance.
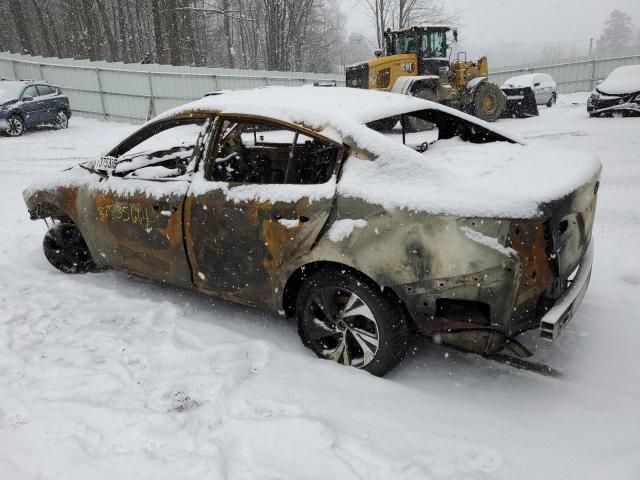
{"type": "Point", "coordinates": [552, 100]}
{"type": "Point", "coordinates": [346, 318]}
{"type": "Point", "coordinates": [66, 250]}
{"type": "Point", "coordinates": [15, 126]}
{"type": "Point", "coordinates": [62, 120]}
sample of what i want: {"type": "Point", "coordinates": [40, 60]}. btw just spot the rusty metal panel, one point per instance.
{"type": "Point", "coordinates": [239, 250]}
{"type": "Point", "coordinates": [139, 232]}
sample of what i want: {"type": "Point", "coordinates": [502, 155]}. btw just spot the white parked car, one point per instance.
{"type": "Point", "coordinates": [544, 87]}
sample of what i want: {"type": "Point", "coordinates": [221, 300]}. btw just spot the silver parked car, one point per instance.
{"type": "Point", "coordinates": [544, 87]}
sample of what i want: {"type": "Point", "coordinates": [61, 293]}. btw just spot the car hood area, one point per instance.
{"type": "Point", "coordinates": [622, 80]}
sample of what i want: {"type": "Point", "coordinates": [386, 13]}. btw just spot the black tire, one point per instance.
{"type": "Point", "coordinates": [66, 250]}
{"type": "Point", "coordinates": [489, 102]}
{"type": "Point", "coordinates": [552, 100]}
{"type": "Point", "coordinates": [15, 126]}
{"type": "Point", "coordinates": [340, 311]}
{"type": "Point", "coordinates": [62, 120]}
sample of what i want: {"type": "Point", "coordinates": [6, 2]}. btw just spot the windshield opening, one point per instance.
{"type": "Point", "coordinates": [404, 43]}
{"type": "Point", "coordinates": [434, 44]}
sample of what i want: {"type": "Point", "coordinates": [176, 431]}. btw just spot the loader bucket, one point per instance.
{"type": "Point", "coordinates": [521, 103]}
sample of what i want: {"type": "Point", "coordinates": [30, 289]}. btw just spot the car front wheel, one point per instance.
{"type": "Point", "coordinates": [346, 318]}
{"type": "Point", "coordinates": [66, 250]}
{"type": "Point", "coordinates": [15, 126]}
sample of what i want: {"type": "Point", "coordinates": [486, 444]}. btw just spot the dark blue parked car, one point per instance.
{"type": "Point", "coordinates": [28, 104]}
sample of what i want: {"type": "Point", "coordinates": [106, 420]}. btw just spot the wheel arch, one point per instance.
{"type": "Point", "coordinates": [16, 112]}
{"type": "Point", "coordinates": [408, 85]}
{"type": "Point", "coordinates": [473, 84]}
{"type": "Point", "coordinates": [297, 277]}
{"type": "Point", "coordinates": [44, 204]}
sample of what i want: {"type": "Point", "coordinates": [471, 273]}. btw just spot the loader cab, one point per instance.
{"type": "Point", "coordinates": [428, 43]}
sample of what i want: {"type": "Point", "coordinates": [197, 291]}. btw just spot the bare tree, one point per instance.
{"type": "Point", "coordinates": [15, 7]}
{"type": "Point", "coordinates": [405, 13]}
{"type": "Point", "coordinates": [257, 34]}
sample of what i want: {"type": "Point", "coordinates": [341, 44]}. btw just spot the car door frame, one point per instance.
{"type": "Point", "coordinates": [137, 225]}
{"type": "Point", "coordinates": [31, 110]}
{"type": "Point", "coordinates": [50, 103]}
{"type": "Point", "coordinates": [273, 242]}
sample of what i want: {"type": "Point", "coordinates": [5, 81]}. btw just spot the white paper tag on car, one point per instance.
{"type": "Point", "coordinates": [106, 163]}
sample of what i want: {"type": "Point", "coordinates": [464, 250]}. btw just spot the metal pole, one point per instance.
{"type": "Point", "coordinates": [104, 110]}
{"type": "Point", "coordinates": [590, 46]}
{"type": "Point", "coordinates": [152, 110]}
{"type": "Point", "coordinates": [593, 74]}
{"type": "Point", "coordinates": [15, 73]}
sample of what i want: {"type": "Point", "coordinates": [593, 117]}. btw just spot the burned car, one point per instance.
{"type": "Point", "coordinates": [619, 94]}
{"type": "Point", "coordinates": [283, 199]}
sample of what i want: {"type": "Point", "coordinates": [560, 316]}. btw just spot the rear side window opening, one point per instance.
{"type": "Point", "coordinates": [420, 129]}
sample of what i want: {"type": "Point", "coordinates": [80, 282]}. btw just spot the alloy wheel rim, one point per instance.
{"type": "Point", "coordinates": [341, 327]}
{"type": "Point", "coordinates": [15, 127]}
{"type": "Point", "coordinates": [62, 120]}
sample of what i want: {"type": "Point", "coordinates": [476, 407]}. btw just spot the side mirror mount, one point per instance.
{"type": "Point", "coordinates": [27, 99]}
{"type": "Point", "coordinates": [377, 52]}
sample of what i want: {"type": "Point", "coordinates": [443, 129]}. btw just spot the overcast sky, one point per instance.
{"type": "Point", "coordinates": [490, 22]}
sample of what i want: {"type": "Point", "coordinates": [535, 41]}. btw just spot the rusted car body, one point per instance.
{"type": "Point", "coordinates": [474, 281]}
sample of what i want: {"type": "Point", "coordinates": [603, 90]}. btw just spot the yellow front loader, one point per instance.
{"type": "Point", "coordinates": [415, 62]}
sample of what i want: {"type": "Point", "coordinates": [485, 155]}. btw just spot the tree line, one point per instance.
{"type": "Point", "coordinates": [257, 34]}
{"type": "Point", "coordinates": [286, 35]}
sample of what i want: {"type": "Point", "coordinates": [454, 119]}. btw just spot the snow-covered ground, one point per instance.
{"type": "Point", "coordinates": [107, 377]}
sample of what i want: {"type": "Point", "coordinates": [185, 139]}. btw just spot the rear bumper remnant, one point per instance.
{"type": "Point", "coordinates": [554, 321]}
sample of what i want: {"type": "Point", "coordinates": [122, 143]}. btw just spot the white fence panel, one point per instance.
{"type": "Point", "coordinates": [134, 91]}
{"type": "Point", "coordinates": [576, 76]}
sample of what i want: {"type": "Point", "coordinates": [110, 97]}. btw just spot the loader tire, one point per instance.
{"type": "Point", "coordinates": [489, 102]}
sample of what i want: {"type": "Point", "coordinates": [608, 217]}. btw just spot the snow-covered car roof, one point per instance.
{"type": "Point", "coordinates": [495, 179]}
{"type": "Point", "coordinates": [340, 108]}
{"type": "Point", "coordinates": [622, 80]}
{"type": "Point", "coordinates": [521, 80]}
